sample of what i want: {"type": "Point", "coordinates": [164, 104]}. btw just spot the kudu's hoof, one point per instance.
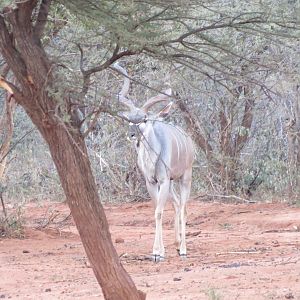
{"type": "Point", "coordinates": [182, 255]}
{"type": "Point", "coordinates": [157, 258]}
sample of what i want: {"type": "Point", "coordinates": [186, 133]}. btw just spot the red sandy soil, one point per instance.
{"type": "Point", "coordinates": [249, 251]}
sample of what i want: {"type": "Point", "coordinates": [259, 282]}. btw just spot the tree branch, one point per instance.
{"type": "Point", "coordinates": [10, 54]}
{"type": "Point", "coordinates": [195, 129]}
{"type": "Point", "coordinates": [246, 122]}
{"type": "Point", "coordinates": [110, 61]}
{"type": "Point", "coordinates": [4, 71]}
{"type": "Point", "coordinates": [181, 38]}
{"type": "Point", "coordinates": [225, 133]}
{"type": "Point", "coordinates": [87, 73]}
{"type": "Point", "coordinates": [23, 13]}
{"type": "Point", "coordinates": [93, 122]}
{"type": "Point", "coordinates": [41, 19]}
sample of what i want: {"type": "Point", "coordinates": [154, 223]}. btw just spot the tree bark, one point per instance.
{"type": "Point", "coordinates": [34, 73]}
{"type": "Point", "coordinates": [71, 159]}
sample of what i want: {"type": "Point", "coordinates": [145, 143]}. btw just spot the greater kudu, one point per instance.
{"type": "Point", "coordinates": [165, 154]}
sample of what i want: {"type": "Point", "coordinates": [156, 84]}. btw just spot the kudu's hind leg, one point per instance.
{"type": "Point", "coordinates": [185, 188]}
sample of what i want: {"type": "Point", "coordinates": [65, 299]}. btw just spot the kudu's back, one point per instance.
{"type": "Point", "coordinates": [165, 151]}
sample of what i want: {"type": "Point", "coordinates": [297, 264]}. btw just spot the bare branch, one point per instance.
{"type": "Point", "coordinates": [86, 77]}
{"type": "Point", "coordinates": [181, 38]}
{"type": "Point", "coordinates": [110, 61]}
{"type": "Point", "coordinates": [94, 122]}
{"type": "Point", "coordinates": [10, 54]}
{"type": "Point", "coordinates": [4, 71]}
{"type": "Point", "coordinates": [246, 122]}
{"type": "Point", "coordinates": [81, 57]}
{"type": "Point", "coordinates": [195, 128]}
{"type": "Point", "coordinates": [87, 73]}
{"type": "Point", "coordinates": [152, 18]}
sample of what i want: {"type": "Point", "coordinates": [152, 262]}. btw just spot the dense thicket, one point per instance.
{"type": "Point", "coordinates": [231, 65]}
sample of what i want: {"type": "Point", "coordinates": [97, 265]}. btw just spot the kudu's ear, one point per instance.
{"type": "Point", "coordinates": [123, 116]}
{"type": "Point", "coordinates": [165, 111]}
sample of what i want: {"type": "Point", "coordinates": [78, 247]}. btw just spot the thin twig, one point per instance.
{"type": "Point", "coordinates": [226, 196]}
{"type": "Point", "coordinates": [239, 252]}
{"type": "Point", "coordinates": [17, 142]}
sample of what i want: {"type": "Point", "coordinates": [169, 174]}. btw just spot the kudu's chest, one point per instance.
{"type": "Point", "coordinates": [148, 159]}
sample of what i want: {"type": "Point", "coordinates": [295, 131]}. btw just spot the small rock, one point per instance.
{"type": "Point", "coordinates": [187, 269]}
{"type": "Point", "coordinates": [176, 279]}
{"type": "Point", "coordinates": [289, 296]}
{"type": "Point", "coordinates": [48, 290]}
{"type": "Point", "coordinates": [119, 240]}
{"type": "Point", "coordinates": [25, 251]}
{"type": "Point", "coordinates": [88, 264]}
{"type": "Point", "coordinates": [2, 296]}
{"type": "Point", "coordinates": [124, 255]}
{"type": "Point", "coordinates": [148, 284]}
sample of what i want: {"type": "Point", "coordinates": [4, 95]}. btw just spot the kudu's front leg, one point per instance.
{"type": "Point", "coordinates": [160, 201]}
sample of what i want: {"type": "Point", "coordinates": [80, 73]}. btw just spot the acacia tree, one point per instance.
{"type": "Point", "coordinates": [21, 47]}
{"type": "Point", "coordinates": [177, 33]}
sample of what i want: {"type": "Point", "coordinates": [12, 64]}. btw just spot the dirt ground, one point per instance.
{"type": "Point", "coordinates": [249, 251]}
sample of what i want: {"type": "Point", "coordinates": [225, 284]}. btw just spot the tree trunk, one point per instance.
{"type": "Point", "coordinates": [35, 76]}
{"type": "Point", "coordinates": [70, 157]}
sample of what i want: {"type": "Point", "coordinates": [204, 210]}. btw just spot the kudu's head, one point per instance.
{"type": "Point", "coordinates": [138, 118]}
